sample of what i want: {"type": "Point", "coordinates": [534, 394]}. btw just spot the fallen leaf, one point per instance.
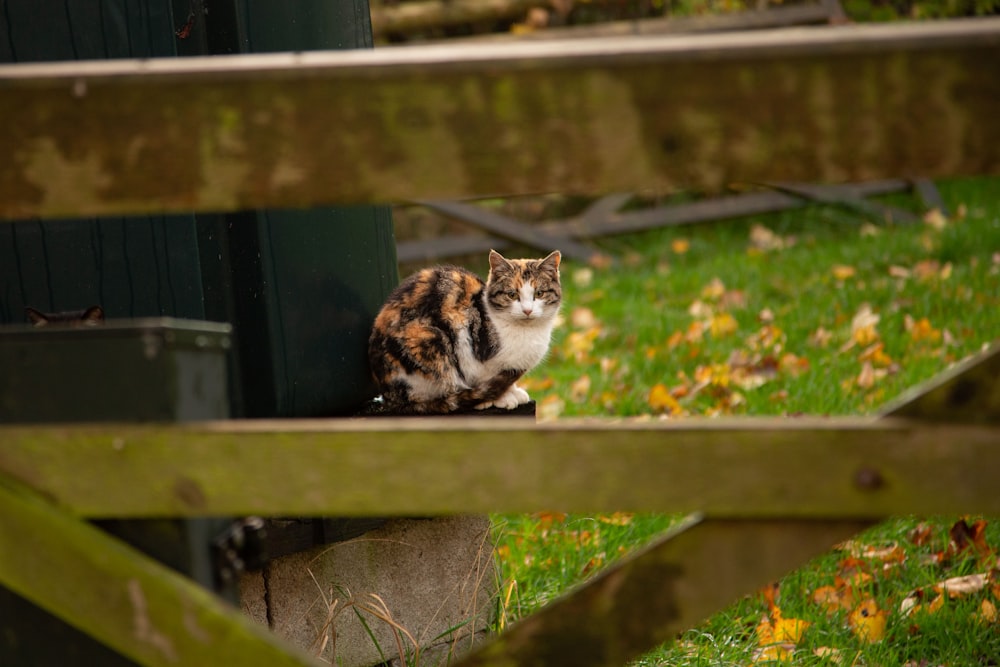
{"type": "Point", "coordinates": [899, 272]}
{"type": "Point", "coordinates": [580, 389]}
{"type": "Point", "coordinates": [680, 246]}
{"type": "Point", "coordinates": [714, 290]}
{"type": "Point", "coordinates": [762, 238]}
{"type": "Point", "coordinates": [722, 325]}
{"type": "Point", "coordinates": [868, 622]}
{"type": "Point", "coordinates": [957, 587]}
{"type": "Point", "coordinates": [583, 318]}
{"type": "Point", "coordinates": [935, 219]}
{"type": "Point", "coordinates": [820, 338]}
{"type": "Point", "coordinates": [866, 378]}
{"type": "Point", "coordinates": [987, 612]}
{"type": "Point", "coordinates": [616, 519]}
{"type": "Point", "coordinates": [832, 599]}
{"type": "Point", "coordinates": [661, 400]}
{"type": "Point", "coordinates": [551, 407]}
{"type": "Point", "coordinates": [842, 272]}
{"type": "Point", "coordinates": [920, 535]}
{"type": "Point", "coordinates": [583, 277]}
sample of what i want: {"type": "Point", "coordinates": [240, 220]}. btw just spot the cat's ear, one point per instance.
{"type": "Point", "coordinates": [553, 260]}
{"type": "Point", "coordinates": [498, 262]}
{"type": "Point", "coordinates": [93, 315]}
{"type": "Point", "coordinates": [36, 317]}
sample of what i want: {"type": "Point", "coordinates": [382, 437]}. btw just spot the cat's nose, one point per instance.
{"type": "Point", "coordinates": [526, 310]}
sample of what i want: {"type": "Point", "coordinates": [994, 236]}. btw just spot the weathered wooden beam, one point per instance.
{"type": "Point", "coordinates": [120, 596]}
{"type": "Point", "coordinates": [440, 122]}
{"type": "Point", "coordinates": [670, 586]}
{"type": "Point", "coordinates": [760, 468]}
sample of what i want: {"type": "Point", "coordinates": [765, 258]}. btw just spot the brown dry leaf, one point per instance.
{"type": "Point", "coordinates": [920, 535]}
{"type": "Point", "coordinates": [935, 219]}
{"type": "Point", "coordinates": [763, 239]}
{"type": "Point", "coordinates": [583, 277]}
{"type": "Point", "coordinates": [957, 587]}
{"type": "Point", "coordinates": [793, 365]}
{"type": "Point", "coordinates": [601, 261]}
{"type": "Point", "coordinates": [820, 338]}
{"type": "Point", "coordinates": [866, 378]}
{"type": "Point", "coordinates": [987, 612]}
{"type": "Point", "coordinates": [580, 389]}
{"type": "Point", "coordinates": [831, 654]}
{"type": "Point", "coordinates": [714, 290]}
{"type": "Point", "coordinates": [616, 518]}
{"type": "Point", "coordinates": [551, 407]}
{"type": "Point", "coordinates": [901, 272]}
{"type": "Point", "coordinates": [868, 622]}
{"type": "Point", "coordinates": [583, 318]}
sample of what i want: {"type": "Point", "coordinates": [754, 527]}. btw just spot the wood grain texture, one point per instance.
{"type": "Point", "coordinates": [121, 597]}
{"type": "Point", "coordinates": [440, 122]}
{"type": "Point", "coordinates": [760, 468]}
{"type": "Point", "coordinates": [660, 591]}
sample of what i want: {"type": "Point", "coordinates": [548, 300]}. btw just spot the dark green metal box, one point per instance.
{"type": "Point", "coordinates": [159, 369]}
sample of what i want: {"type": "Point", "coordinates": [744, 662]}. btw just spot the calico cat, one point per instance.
{"type": "Point", "coordinates": [71, 318]}
{"type": "Point", "coordinates": [445, 340]}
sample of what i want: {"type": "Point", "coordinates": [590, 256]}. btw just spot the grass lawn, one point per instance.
{"type": "Point", "coordinates": [814, 311]}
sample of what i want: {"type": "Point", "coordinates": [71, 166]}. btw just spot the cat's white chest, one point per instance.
{"type": "Point", "coordinates": [522, 345]}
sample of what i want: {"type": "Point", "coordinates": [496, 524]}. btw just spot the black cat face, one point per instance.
{"type": "Point", "coordinates": [90, 317]}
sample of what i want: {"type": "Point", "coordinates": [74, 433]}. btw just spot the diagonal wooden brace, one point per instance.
{"type": "Point", "coordinates": [121, 597]}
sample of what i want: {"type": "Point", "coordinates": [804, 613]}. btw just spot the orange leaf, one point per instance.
{"type": "Point", "coordinates": [661, 400]}
{"type": "Point", "coordinates": [680, 246]}
{"type": "Point", "coordinates": [833, 599]}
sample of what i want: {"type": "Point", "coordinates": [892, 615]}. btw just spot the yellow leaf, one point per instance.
{"type": "Point", "coordinates": [863, 326]}
{"type": "Point", "coordinates": [868, 622]}
{"type": "Point", "coordinates": [722, 325]}
{"type": "Point", "coordinates": [789, 630]}
{"type": "Point", "coordinates": [661, 400]}
{"type": "Point", "coordinates": [680, 246]}
{"type": "Point", "coordinates": [843, 272]}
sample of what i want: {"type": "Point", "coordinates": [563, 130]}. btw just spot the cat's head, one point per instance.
{"type": "Point", "coordinates": [525, 290]}
{"type": "Point", "coordinates": [73, 318]}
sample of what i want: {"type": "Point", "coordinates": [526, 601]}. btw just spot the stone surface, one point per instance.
{"type": "Point", "coordinates": [429, 581]}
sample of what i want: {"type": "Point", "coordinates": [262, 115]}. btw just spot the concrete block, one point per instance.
{"type": "Point", "coordinates": [429, 582]}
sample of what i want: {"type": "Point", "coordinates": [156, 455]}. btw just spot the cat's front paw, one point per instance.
{"type": "Point", "coordinates": [513, 397]}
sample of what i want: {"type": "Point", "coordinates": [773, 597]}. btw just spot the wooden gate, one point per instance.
{"type": "Point", "coordinates": [431, 122]}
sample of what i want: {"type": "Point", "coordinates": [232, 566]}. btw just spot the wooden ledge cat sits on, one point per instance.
{"type": "Point", "coordinates": [90, 317]}
{"type": "Point", "coordinates": [446, 340]}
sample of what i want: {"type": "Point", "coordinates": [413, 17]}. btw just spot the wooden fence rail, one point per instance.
{"type": "Point", "coordinates": [440, 122]}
